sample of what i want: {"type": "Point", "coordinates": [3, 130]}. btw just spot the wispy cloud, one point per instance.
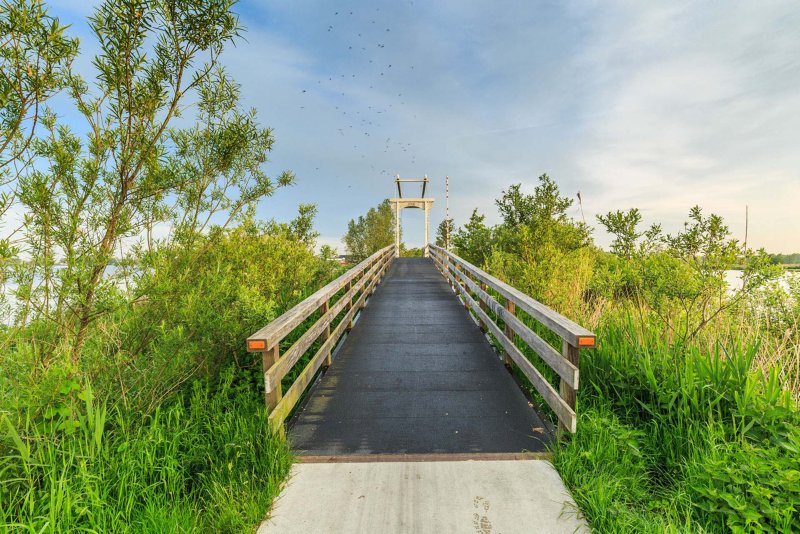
{"type": "Point", "coordinates": [658, 105]}
{"type": "Point", "coordinates": [702, 109]}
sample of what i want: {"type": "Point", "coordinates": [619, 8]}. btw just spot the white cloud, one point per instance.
{"type": "Point", "coordinates": [698, 112]}
{"type": "Point", "coordinates": [658, 105]}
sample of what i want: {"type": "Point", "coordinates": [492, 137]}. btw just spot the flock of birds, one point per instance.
{"type": "Point", "coordinates": [370, 69]}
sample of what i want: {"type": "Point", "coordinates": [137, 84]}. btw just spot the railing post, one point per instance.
{"type": "Point", "coordinates": [347, 287]}
{"type": "Point", "coordinates": [459, 274]}
{"type": "Point", "coordinates": [365, 287]}
{"type": "Point", "coordinates": [379, 273]}
{"type": "Point", "coordinates": [572, 354]}
{"type": "Point", "coordinates": [323, 337]}
{"type": "Point", "coordinates": [272, 396]}
{"type": "Point", "coordinates": [385, 268]}
{"type": "Point", "coordinates": [446, 270]}
{"type": "Point", "coordinates": [512, 309]}
{"type": "Point", "coordinates": [484, 307]}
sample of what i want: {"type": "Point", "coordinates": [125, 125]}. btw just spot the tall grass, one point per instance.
{"type": "Point", "coordinates": [682, 439]}
{"type": "Point", "coordinates": [203, 462]}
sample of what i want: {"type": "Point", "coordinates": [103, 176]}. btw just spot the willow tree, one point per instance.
{"type": "Point", "coordinates": [88, 197]}
{"type": "Point", "coordinates": [35, 55]}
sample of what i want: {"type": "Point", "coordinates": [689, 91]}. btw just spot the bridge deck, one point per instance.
{"type": "Point", "coordinates": [416, 376]}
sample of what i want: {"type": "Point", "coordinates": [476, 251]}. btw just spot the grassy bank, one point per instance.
{"type": "Point", "coordinates": [161, 426]}
{"type": "Point", "coordinates": [201, 462]}
{"type": "Point", "coordinates": [682, 440]}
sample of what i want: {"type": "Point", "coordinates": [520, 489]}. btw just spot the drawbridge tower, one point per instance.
{"type": "Point", "coordinates": [401, 203]}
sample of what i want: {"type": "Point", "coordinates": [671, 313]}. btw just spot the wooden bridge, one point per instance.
{"type": "Point", "coordinates": [403, 404]}
{"type": "Point", "coordinates": [395, 361]}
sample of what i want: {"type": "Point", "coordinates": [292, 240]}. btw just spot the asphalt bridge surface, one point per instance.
{"type": "Point", "coordinates": [416, 376]}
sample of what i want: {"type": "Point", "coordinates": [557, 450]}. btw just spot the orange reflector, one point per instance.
{"type": "Point", "coordinates": [256, 344]}
{"type": "Point", "coordinates": [586, 341]}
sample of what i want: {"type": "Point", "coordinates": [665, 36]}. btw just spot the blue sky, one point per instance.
{"type": "Point", "coordinates": [655, 105]}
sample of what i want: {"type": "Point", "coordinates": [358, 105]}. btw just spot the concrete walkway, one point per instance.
{"type": "Point", "coordinates": [482, 497]}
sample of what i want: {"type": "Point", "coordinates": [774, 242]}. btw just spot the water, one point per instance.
{"type": "Point", "coordinates": [734, 279]}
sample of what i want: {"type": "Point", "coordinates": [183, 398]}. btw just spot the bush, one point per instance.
{"type": "Point", "coordinates": [203, 301]}
{"type": "Point", "coordinates": [178, 440]}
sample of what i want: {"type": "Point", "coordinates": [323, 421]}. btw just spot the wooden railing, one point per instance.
{"type": "Point", "coordinates": [358, 283]}
{"type": "Point", "coordinates": [474, 285]}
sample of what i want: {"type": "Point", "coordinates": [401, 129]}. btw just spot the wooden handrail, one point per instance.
{"type": "Point", "coordinates": [277, 329]}
{"type": "Point", "coordinates": [358, 283]}
{"type": "Point", "coordinates": [566, 329]}
{"type": "Point", "coordinates": [468, 280]}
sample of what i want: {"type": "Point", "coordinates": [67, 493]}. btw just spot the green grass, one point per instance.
{"type": "Point", "coordinates": [202, 462]}
{"type": "Point", "coordinates": [677, 440]}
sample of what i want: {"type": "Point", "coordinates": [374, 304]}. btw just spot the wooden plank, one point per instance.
{"type": "Point", "coordinates": [296, 351]}
{"type": "Point", "coordinates": [290, 358]}
{"type": "Point", "coordinates": [483, 307]}
{"type": "Point", "coordinates": [565, 370]}
{"type": "Point", "coordinates": [283, 408]}
{"type": "Point", "coordinates": [327, 332]}
{"type": "Point", "coordinates": [349, 306]}
{"type": "Point", "coordinates": [272, 395]}
{"type": "Point", "coordinates": [563, 411]}
{"type": "Point", "coordinates": [512, 309]}
{"type": "Point", "coordinates": [568, 392]}
{"type": "Point", "coordinates": [565, 328]}
{"type": "Point", "coordinates": [289, 400]}
{"type": "Point", "coordinates": [277, 329]}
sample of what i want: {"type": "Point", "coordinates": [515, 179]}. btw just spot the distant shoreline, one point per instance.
{"type": "Point", "coordinates": [787, 266]}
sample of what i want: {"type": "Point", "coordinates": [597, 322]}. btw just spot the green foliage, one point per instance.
{"type": "Point", "coordinates": [203, 300]}
{"type": "Point", "coordinates": [786, 259]}
{"type": "Point", "coordinates": [712, 435]}
{"type": "Point", "coordinates": [444, 233]}
{"type": "Point", "coordinates": [216, 164]}
{"type": "Point", "coordinates": [677, 280]}
{"type": "Point", "coordinates": [412, 252]}
{"type": "Point", "coordinates": [302, 226]}
{"type": "Point", "coordinates": [85, 199]}
{"type": "Point", "coordinates": [201, 462]}
{"type": "Point", "coordinates": [371, 232]}
{"type": "Point", "coordinates": [687, 420]}
{"type": "Point", "coordinates": [545, 253]}
{"type": "Point", "coordinates": [184, 315]}
{"type": "Point", "coordinates": [34, 60]}
{"type": "Point", "coordinates": [532, 223]}
{"type": "Point", "coordinates": [328, 253]}
{"type": "Point", "coordinates": [607, 467]}
{"type": "Point", "coordinates": [138, 269]}
{"type": "Point", "coordinates": [157, 358]}
{"type": "Point", "coordinates": [749, 487]}
{"type": "Point", "coordinates": [623, 226]}
{"type": "Point", "coordinates": [473, 242]}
